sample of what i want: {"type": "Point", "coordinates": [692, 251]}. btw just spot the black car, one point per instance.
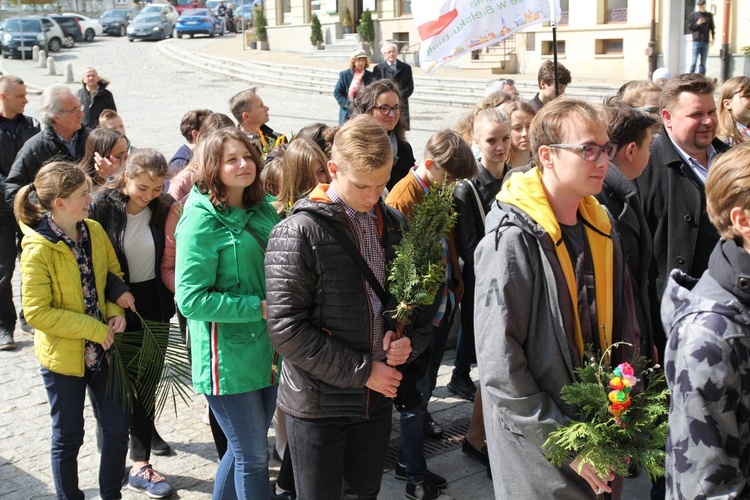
{"type": "Point", "coordinates": [116, 22]}
{"type": "Point", "coordinates": [71, 28]}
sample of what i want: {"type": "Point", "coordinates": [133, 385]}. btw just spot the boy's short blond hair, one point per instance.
{"type": "Point", "coordinates": [106, 116]}
{"type": "Point", "coordinates": [728, 186]}
{"type": "Point", "coordinates": [362, 145]}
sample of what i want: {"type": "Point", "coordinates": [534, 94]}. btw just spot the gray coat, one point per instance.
{"type": "Point", "coordinates": [524, 323]}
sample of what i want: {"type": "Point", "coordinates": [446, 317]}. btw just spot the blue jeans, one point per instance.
{"type": "Point", "coordinates": [66, 397]}
{"type": "Point", "coordinates": [245, 419]}
{"type": "Point", "coordinates": [325, 451]}
{"type": "Point", "coordinates": [699, 49]}
{"type": "Point", "coordinates": [411, 452]}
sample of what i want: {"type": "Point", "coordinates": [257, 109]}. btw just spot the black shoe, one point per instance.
{"type": "Point", "coordinates": [159, 446]}
{"type": "Point", "coordinates": [287, 495]}
{"type": "Point", "coordinates": [6, 341]}
{"type": "Point", "coordinates": [480, 455]}
{"type": "Point", "coordinates": [400, 474]}
{"type": "Point", "coordinates": [25, 327]}
{"type": "Point", "coordinates": [462, 386]}
{"type": "Point", "coordinates": [431, 428]}
{"type": "Point", "coordinates": [424, 491]}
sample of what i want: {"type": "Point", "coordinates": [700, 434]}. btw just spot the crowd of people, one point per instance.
{"type": "Point", "coordinates": [578, 226]}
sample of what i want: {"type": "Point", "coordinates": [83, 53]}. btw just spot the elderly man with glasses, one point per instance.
{"type": "Point", "coordinates": [63, 138]}
{"type": "Point", "coordinates": [399, 72]}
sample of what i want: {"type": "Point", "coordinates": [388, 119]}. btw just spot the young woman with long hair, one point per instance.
{"type": "Point", "coordinates": [220, 288]}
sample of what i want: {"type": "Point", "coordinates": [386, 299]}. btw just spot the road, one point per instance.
{"type": "Point", "coordinates": [152, 93]}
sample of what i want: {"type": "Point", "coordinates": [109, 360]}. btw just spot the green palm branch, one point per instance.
{"type": "Point", "coordinates": [152, 364]}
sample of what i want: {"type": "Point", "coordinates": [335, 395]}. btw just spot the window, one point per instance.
{"type": "Point", "coordinates": [286, 11]}
{"type": "Point", "coordinates": [612, 46]}
{"type": "Point", "coordinates": [405, 7]}
{"type": "Point", "coordinates": [564, 11]}
{"type": "Point", "coordinates": [402, 41]}
{"type": "Point", "coordinates": [547, 47]}
{"type": "Point", "coordinates": [615, 11]}
{"type": "Point", "coordinates": [530, 42]}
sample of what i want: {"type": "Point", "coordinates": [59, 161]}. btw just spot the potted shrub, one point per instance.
{"type": "Point", "coordinates": [316, 37]}
{"type": "Point", "coordinates": [366, 31]}
{"type": "Point", "coordinates": [347, 22]}
{"type": "Point", "coordinates": [259, 22]}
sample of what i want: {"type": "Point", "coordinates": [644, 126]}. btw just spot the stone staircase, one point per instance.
{"type": "Point", "coordinates": [339, 50]}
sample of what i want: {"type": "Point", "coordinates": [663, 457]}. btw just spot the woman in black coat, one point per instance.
{"type": "Point", "coordinates": [94, 97]}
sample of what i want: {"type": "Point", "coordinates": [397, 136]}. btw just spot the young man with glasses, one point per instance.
{"type": "Point", "coordinates": [550, 281]}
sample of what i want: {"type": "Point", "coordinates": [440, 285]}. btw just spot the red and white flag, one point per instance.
{"type": "Point", "coordinates": [452, 28]}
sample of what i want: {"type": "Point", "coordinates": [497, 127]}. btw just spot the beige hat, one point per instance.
{"type": "Point", "coordinates": [357, 54]}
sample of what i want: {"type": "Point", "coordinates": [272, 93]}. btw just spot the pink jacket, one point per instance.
{"type": "Point", "coordinates": [166, 268]}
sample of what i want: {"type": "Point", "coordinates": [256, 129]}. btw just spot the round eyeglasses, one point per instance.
{"type": "Point", "coordinates": [386, 110]}
{"type": "Point", "coordinates": [590, 152]}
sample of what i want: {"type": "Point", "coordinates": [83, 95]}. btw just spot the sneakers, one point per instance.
{"type": "Point", "coordinates": [462, 386]}
{"type": "Point", "coordinates": [431, 428]}
{"type": "Point", "coordinates": [425, 491]}
{"type": "Point", "coordinates": [150, 482]}
{"type": "Point", "coordinates": [6, 341]}
{"type": "Point", "coordinates": [400, 474]}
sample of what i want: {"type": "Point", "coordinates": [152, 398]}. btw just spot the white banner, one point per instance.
{"type": "Point", "coordinates": [452, 28]}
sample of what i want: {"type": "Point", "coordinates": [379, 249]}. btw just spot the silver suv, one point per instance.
{"type": "Point", "coordinates": [21, 34]}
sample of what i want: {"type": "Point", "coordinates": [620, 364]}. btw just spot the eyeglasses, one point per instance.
{"type": "Point", "coordinates": [385, 110]}
{"type": "Point", "coordinates": [74, 110]}
{"type": "Point", "coordinates": [653, 109]}
{"type": "Point", "coordinates": [590, 152]}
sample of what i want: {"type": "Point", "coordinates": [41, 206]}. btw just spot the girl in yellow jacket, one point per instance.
{"type": "Point", "coordinates": [66, 265]}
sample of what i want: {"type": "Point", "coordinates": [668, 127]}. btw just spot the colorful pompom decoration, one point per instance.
{"type": "Point", "coordinates": [621, 382]}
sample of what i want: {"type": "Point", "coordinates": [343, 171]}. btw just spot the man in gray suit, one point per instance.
{"type": "Point", "coordinates": [550, 281]}
{"type": "Point", "coordinates": [398, 71]}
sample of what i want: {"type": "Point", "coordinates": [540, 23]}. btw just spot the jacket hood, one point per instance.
{"type": "Point", "coordinates": [319, 202]}
{"type": "Point", "coordinates": [103, 82]}
{"type": "Point", "coordinates": [724, 290]}
{"type": "Point", "coordinates": [42, 234]}
{"type": "Point", "coordinates": [525, 191]}
{"type": "Point", "coordinates": [617, 182]}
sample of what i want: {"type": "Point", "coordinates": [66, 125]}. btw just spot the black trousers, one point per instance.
{"type": "Point", "coordinates": [327, 451]}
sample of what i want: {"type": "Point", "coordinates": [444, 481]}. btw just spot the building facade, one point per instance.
{"type": "Point", "coordinates": [613, 34]}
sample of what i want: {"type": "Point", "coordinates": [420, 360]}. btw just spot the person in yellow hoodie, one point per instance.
{"type": "Point", "coordinates": [72, 285]}
{"type": "Point", "coordinates": [550, 280]}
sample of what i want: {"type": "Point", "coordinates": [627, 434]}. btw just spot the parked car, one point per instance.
{"type": "Point", "coordinates": [161, 8]}
{"type": "Point", "coordinates": [43, 32]}
{"type": "Point", "coordinates": [71, 29]}
{"type": "Point", "coordinates": [198, 22]}
{"type": "Point", "coordinates": [183, 5]}
{"type": "Point", "coordinates": [91, 27]}
{"type": "Point", "coordinates": [153, 26]}
{"type": "Point", "coordinates": [116, 22]}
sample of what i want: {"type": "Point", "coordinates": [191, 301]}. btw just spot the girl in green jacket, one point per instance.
{"type": "Point", "coordinates": [66, 264]}
{"type": "Point", "coordinates": [220, 288]}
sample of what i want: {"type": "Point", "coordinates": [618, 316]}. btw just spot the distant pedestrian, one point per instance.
{"type": "Point", "coordinates": [350, 82]}
{"type": "Point", "coordinates": [704, 33]}
{"type": "Point", "coordinates": [95, 97]}
{"type": "Point", "coordinates": [67, 263]}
